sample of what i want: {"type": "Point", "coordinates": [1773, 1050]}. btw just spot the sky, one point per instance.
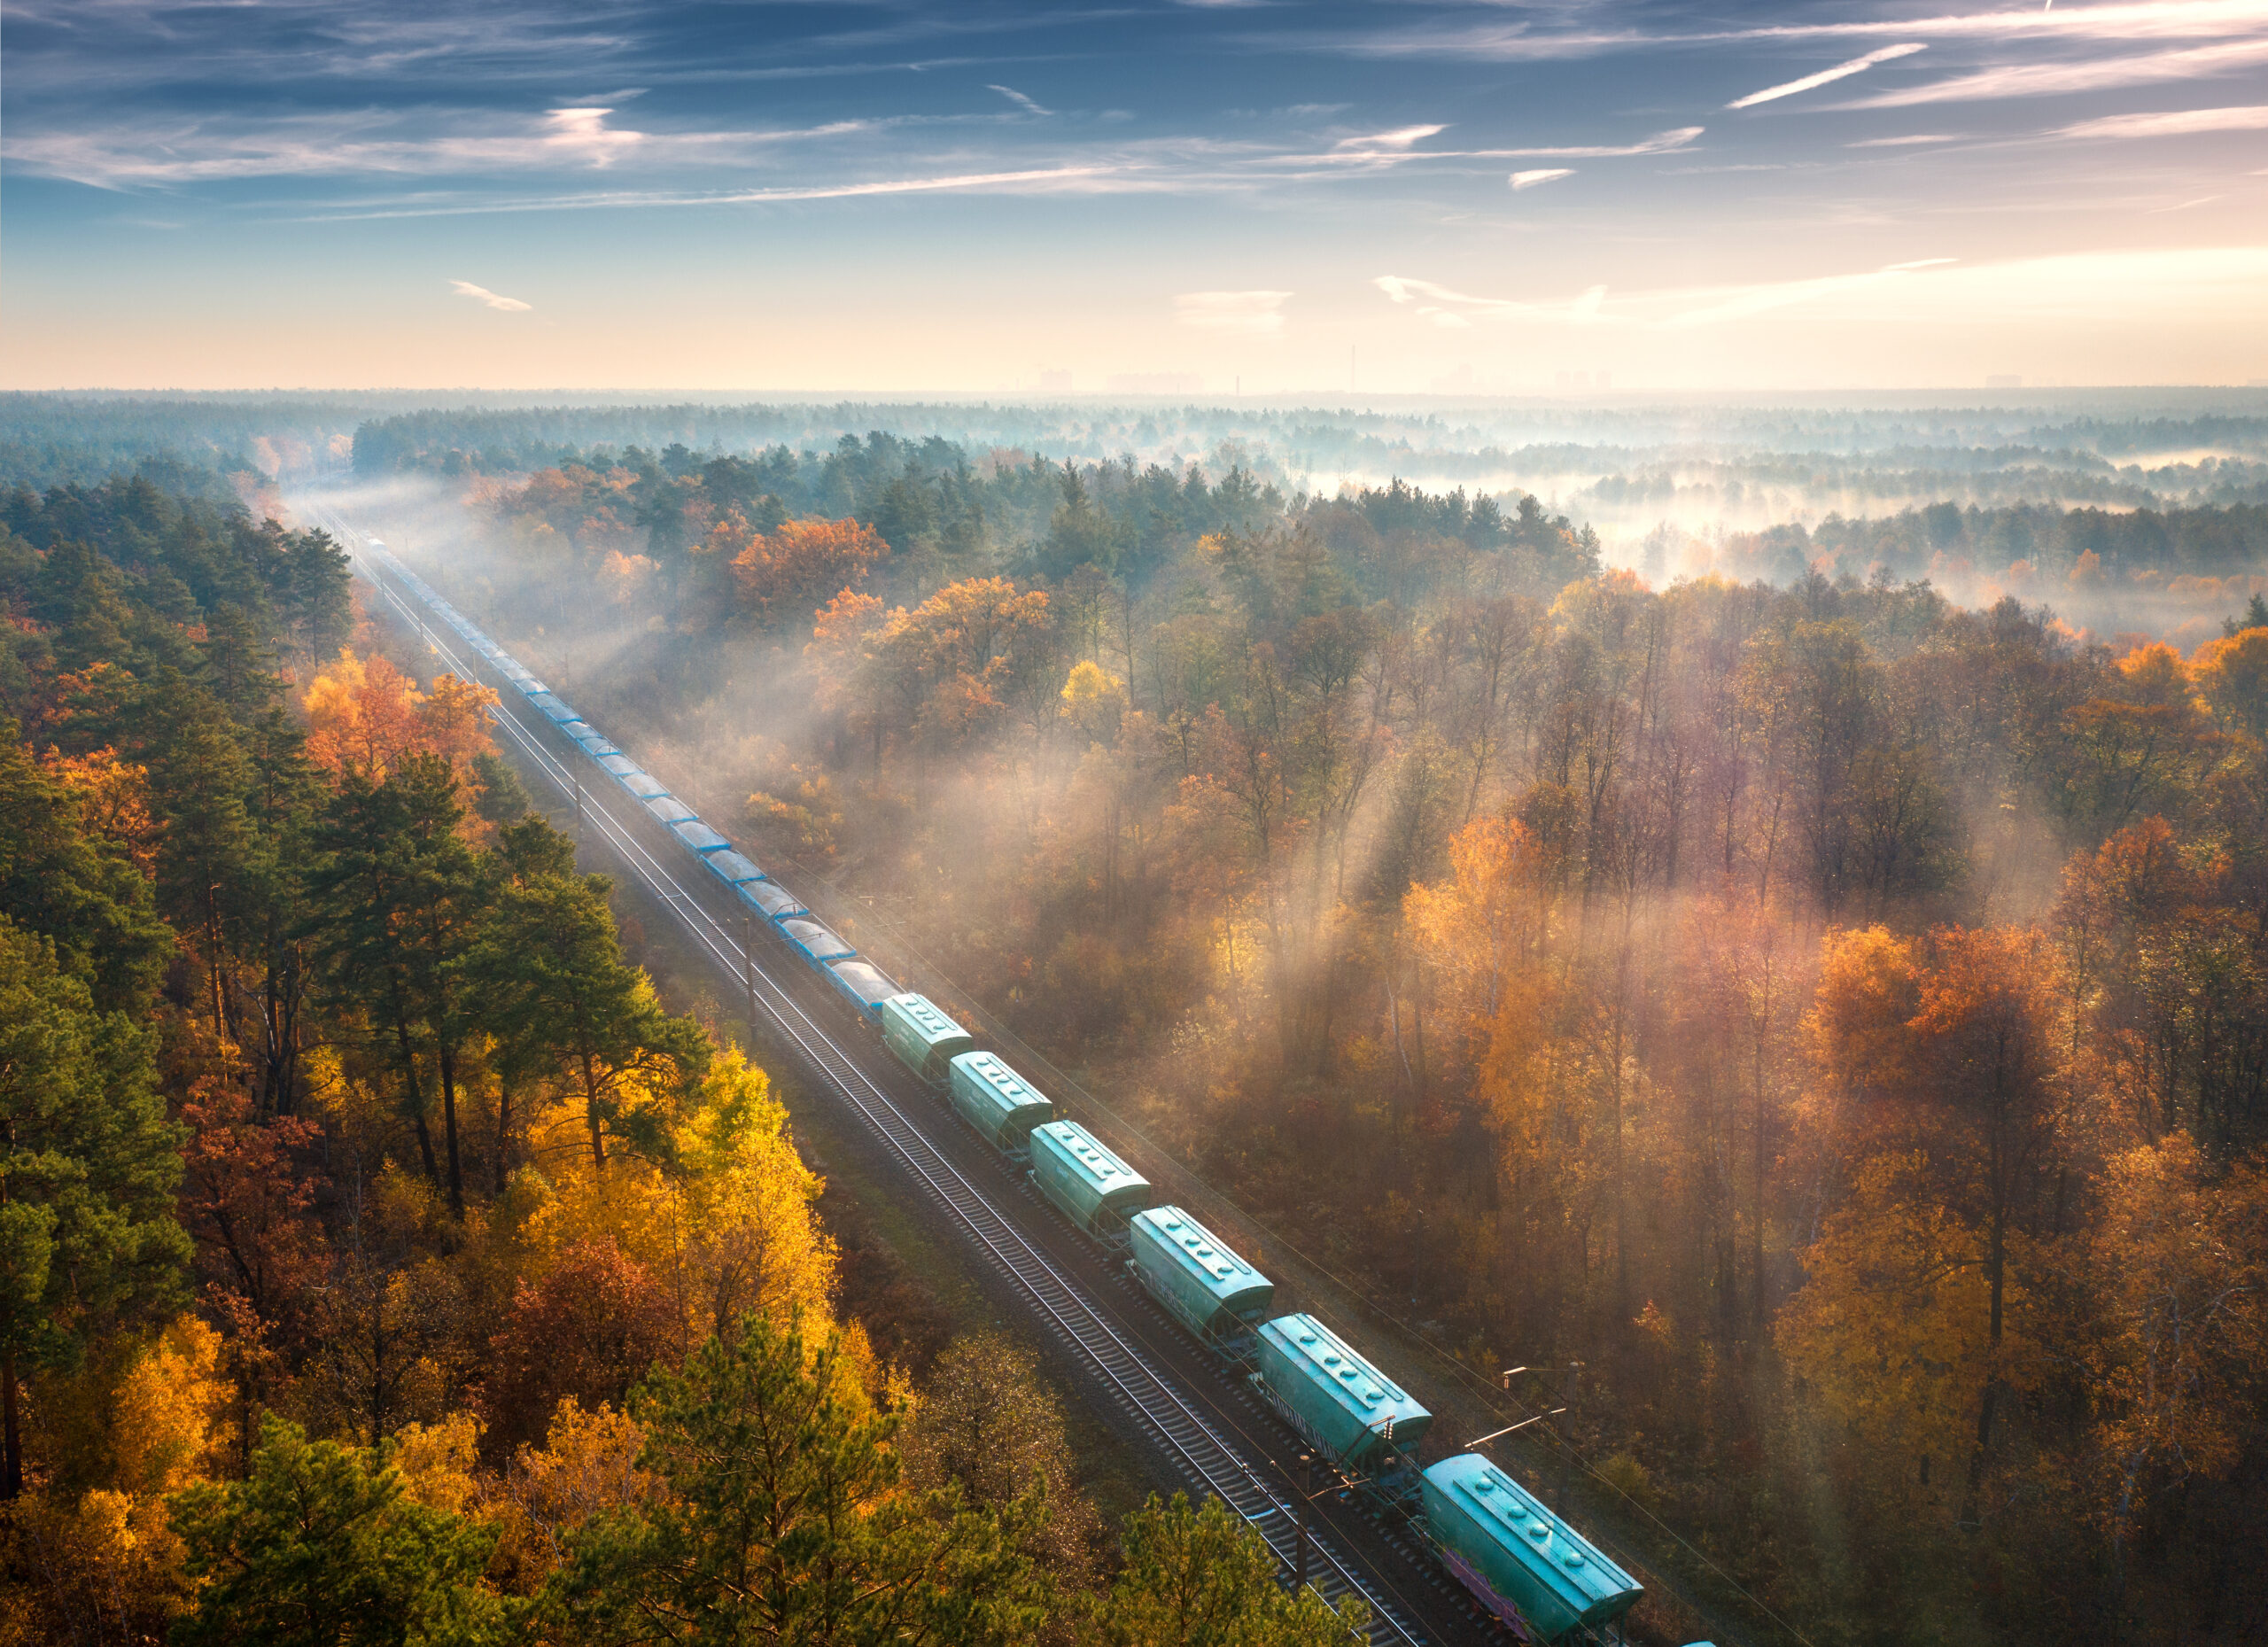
{"type": "Point", "coordinates": [1258, 198]}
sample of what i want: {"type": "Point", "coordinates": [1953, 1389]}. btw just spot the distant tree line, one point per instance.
{"type": "Point", "coordinates": [185, 444]}
{"type": "Point", "coordinates": [687, 522]}
{"type": "Point", "coordinates": [1647, 455]}
{"type": "Point", "coordinates": [2081, 548]}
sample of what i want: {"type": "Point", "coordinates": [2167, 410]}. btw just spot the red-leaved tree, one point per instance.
{"type": "Point", "coordinates": [590, 1328]}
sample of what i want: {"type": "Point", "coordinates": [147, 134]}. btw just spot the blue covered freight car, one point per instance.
{"type": "Point", "coordinates": [768, 898]}
{"type": "Point", "coordinates": [865, 985]}
{"type": "Point", "coordinates": [813, 940]}
{"type": "Point", "coordinates": [732, 867]}
{"type": "Point", "coordinates": [700, 837]}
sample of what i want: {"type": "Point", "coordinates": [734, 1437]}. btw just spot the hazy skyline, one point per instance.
{"type": "Point", "coordinates": [892, 197]}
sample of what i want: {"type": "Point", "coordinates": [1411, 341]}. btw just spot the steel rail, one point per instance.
{"type": "Point", "coordinates": [1146, 1392]}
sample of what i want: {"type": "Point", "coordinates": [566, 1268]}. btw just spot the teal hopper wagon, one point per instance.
{"type": "Point", "coordinates": [925, 1040]}
{"type": "Point", "coordinates": [1197, 1276]}
{"type": "Point", "coordinates": [1000, 1104]}
{"type": "Point", "coordinates": [1523, 1563]}
{"type": "Point", "coordinates": [1089, 1186]}
{"type": "Point", "coordinates": [1339, 1401]}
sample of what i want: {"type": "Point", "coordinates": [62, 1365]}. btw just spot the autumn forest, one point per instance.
{"type": "Point", "coordinates": [1834, 1014]}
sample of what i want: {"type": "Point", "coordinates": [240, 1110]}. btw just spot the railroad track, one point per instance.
{"type": "Point", "coordinates": [1146, 1393]}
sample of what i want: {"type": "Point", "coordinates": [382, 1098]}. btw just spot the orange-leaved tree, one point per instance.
{"type": "Point", "coordinates": [2135, 750]}
{"type": "Point", "coordinates": [1482, 929]}
{"type": "Point", "coordinates": [1989, 1036]}
{"type": "Point", "coordinates": [939, 674]}
{"type": "Point", "coordinates": [785, 576]}
{"type": "Point", "coordinates": [2179, 1262]}
{"type": "Point", "coordinates": [2232, 674]}
{"type": "Point", "coordinates": [1891, 1333]}
{"type": "Point", "coordinates": [113, 797]}
{"type": "Point", "coordinates": [361, 715]}
{"type": "Point", "coordinates": [364, 715]}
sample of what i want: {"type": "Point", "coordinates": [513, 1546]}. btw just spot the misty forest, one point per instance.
{"type": "Point", "coordinates": [1768, 903]}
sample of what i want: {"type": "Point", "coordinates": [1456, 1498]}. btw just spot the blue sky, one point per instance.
{"type": "Point", "coordinates": [1275, 196]}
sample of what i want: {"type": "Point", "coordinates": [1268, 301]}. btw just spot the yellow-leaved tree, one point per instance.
{"type": "Point", "coordinates": [2179, 1260]}
{"type": "Point", "coordinates": [698, 1216]}
{"type": "Point", "coordinates": [144, 1420]}
{"type": "Point", "coordinates": [364, 715]}
{"type": "Point", "coordinates": [1891, 1331]}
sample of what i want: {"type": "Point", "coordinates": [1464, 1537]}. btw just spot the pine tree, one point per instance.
{"type": "Point", "coordinates": [395, 898]}
{"type": "Point", "coordinates": [318, 1546]}
{"type": "Point", "coordinates": [79, 892]}
{"type": "Point", "coordinates": [783, 1521]}
{"type": "Point", "coordinates": [89, 1164]}
{"type": "Point", "coordinates": [1200, 1578]}
{"type": "Point", "coordinates": [553, 990]}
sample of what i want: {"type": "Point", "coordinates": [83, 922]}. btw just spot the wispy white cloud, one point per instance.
{"type": "Point", "coordinates": [1741, 303]}
{"type": "Point", "coordinates": [1910, 141]}
{"type": "Point", "coordinates": [95, 44]}
{"type": "Point", "coordinates": [1827, 76]}
{"type": "Point", "coordinates": [1385, 152]}
{"type": "Point", "coordinates": [481, 294]}
{"type": "Point", "coordinates": [1403, 289]}
{"type": "Point", "coordinates": [2088, 289]}
{"type": "Point", "coordinates": [1461, 308]}
{"type": "Point", "coordinates": [1020, 100]}
{"type": "Point", "coordinates": [1039, 177]}
{"type": "Point", "coordinates": [1660, 143]}
{"type": "Point", "coordinates": [584, 133]}
{"type": "Point", "coordinates": [2127, 21]}
{"type": "Point", "coordinates": [1054, 179]}
{"type": "Point", "coordinates": [2045, 80]}
{"type": "Point", "coordinates": [130, 154]}
{"type": "Point", "coordinates": [1400, 138]}
{"type": "Point", "coordinates": [1254, 313]}
{"type": "Point", "coordinates": [2251, 117]}
{"type": "Point", "coordinates": [1546, 174]}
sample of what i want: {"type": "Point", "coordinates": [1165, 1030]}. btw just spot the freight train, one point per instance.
{"type": "Point", "coordinates": [1543, 1580]}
